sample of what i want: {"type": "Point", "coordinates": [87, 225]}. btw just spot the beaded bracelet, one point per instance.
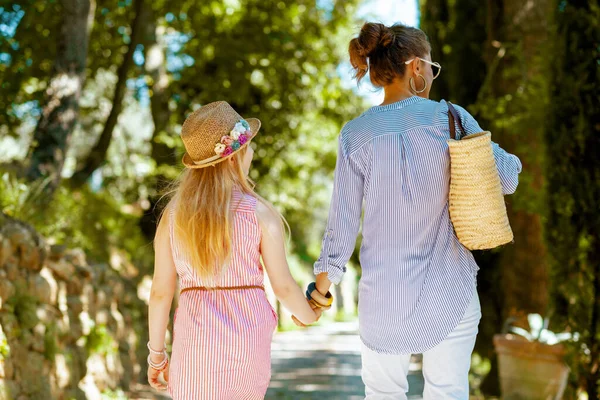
{"type": "Point", "coordinates": [152, 351]}
{"type": "Point", "coordinates": [161, 365]}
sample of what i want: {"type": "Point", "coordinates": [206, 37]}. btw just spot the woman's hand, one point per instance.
{"type": "Point", "coordinates": [153, 375]}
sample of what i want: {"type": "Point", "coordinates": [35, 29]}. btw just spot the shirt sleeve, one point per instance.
{"type": "Point", "coordinates": [509, 166]}
{"type": "Point", "coordinates": [344, 218]}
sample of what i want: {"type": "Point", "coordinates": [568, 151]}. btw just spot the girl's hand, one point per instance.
{"type": "Point", "coordinates": [318, 312]}
{"type": "Point", "coordinates": [153, 375]}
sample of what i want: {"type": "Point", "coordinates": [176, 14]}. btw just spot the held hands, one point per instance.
{"type": "Point", "coordinates": [317, 301]}
{"type": "Point", "coordinates": [317, 310]}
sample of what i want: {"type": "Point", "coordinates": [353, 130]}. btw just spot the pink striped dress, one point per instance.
{"type": "Point", "coordinates": [222, 338]}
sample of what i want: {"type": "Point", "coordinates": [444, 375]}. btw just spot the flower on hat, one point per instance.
{"type": "Point", "coordinates": [239, 136]}
{"type": "Point", "coordinates": [227, 140]}
{"type": "Point", "coordinates": [220, 148]}
{"type": "Point", "coordinates": [240, 127]}
{"type": "Point", "coordinates": [228, 151]}
{"type": "Point", "coordinates": [234, 134]}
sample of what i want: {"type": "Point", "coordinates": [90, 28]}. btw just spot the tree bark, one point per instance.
{"type": "Point", "coordinates": [97, 155]}
{"type": "Point", "coordinates": [61, 109]}
{"type": "Point", "coordinates": [162, 154]}
{"type": "Point", "coordinates": [528, 26]}
{"type": "Point", "coordinates": [434, 22]}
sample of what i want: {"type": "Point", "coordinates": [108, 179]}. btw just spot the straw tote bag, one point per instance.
{"type": "Point", "coordinates": [477, 207]}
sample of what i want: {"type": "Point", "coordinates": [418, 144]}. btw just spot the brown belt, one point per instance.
{"type": "Point", "coordinates": [204, 288]}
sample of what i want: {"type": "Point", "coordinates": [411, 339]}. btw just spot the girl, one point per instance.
{"type": "Point", "coordinates": [212, 235]}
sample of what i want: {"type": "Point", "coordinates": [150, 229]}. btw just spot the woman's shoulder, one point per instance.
{"type": "Point", "coordinates": [469, 122]}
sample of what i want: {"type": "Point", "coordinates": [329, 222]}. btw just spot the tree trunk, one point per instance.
{"type": "Point", "coordinates": [534, 23]}
{"type": "Point", "coordinates": [466, 38]}
{"type": "Point", "coordinates": [339, 297]}
{"type": "Point", "coordinates": [434, 22]}
{"type": "Point", "coordinates": [161, 153]}
{"type": "Point", "coordinates": [513, 99]}
{"type": "Point", "coordinates": [98, 153]}
{"type": "Point", "coordinates": [457, 32]}
{"type": "Point", "coordinates": [518, 83]}
{"type": "Point", "coordinates": [61, 109]}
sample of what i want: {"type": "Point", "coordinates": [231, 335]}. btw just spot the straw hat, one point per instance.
{"type": "Point", "coordinates": [214, 133]}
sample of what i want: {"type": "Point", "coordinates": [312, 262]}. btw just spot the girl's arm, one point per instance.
{"type": "Point", "coordinates": [163, 287]}
{"type": "Point", "coordinates": [272, 248]}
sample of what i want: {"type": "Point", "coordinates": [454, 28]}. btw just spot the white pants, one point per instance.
{"type": "Point", "coordinates": [445, 367]}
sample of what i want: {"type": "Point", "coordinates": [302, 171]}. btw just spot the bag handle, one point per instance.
{"type": "Point", "coordinates": [454, 116]}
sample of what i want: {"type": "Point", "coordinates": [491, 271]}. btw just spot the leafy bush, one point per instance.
{"type": "Point", "coordinates": [100, 341]}
{"type": "Point", "coordinates": [92, 221]}
{"type": "Point", "coordinates": [539, 332]}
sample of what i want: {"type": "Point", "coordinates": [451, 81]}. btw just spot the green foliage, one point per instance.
{"type": "Point", "coordinates": [23, 306]}
{"type": "Point", "coordinates": [4, 346]}
{"type": "Point", "coordinates": [539, 332]}
{"type": "Point", "coordinates": [100, 341]}
{"type": "Point", "coordinates": [20, 199]}
{"type": "Point", "coordinates": [30, 59]}
{"type": "Point", "coordinates": [114, 395]}
{"type": "Point", "coordinates": [270, 59]}
{"type": "Point", "coordinates": [573, 140]}
{"type": "Point", "coordinates": [50, 342]}
{"type": "Point", "coordinates": [92, 221]}
{"type": "Point", "coordinates": [516, 116]}
{"type": "Point", "coordinates": [96, 223]}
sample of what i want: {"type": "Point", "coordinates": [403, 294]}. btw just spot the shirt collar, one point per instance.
{"type": "Point", "coordinates": [396, 106]}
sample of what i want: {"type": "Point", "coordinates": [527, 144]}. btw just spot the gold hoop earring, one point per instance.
{"type": "Point", "coordinates": [411, 82]}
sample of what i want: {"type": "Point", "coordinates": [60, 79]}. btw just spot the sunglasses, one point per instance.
{"type": "Point", "coordinates": [436, 68]}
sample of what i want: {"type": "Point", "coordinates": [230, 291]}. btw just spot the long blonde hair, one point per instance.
{"type": "Point", "coordinates": [201, 203]}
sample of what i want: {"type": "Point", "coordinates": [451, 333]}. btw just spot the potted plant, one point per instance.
{"type": "Point", "coordinates": [531, 363]}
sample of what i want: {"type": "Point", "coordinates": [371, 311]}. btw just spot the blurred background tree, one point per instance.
{"type": "Point", "coordinates": [499, 60]}
{"type": "Point", "coordinates": [149, 65]}
{"type": "Point", "coordinates": [573, 172]}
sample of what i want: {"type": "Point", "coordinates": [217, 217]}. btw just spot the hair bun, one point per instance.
{"type": "Point", "coordinates": [372, 36]}
{"type": "Point", "coordinates": [382, 50]}
{"type": "Point", "coordinates": [387, 37]}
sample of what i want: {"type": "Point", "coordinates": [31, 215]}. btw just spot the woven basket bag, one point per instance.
{"type": "Point", "coordinates": [477, 207]}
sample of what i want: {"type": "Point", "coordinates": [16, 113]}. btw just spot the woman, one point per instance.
{"type": "Point", "coordinates": [418, 286]}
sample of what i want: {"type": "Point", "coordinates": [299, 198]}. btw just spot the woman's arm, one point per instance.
{"type": "Point", "coordinates": [272, 248]}
{"type": "Point", "coordinates": [343, 223]}
{"type": "Point", "coordinates": [163, 287]}
{"type": "Point", "coordinates": [323, 283]}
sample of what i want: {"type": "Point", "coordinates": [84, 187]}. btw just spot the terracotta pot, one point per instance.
{"type": "Point", "coordinates": [530, 370]}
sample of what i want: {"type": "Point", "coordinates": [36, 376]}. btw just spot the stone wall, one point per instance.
{"type": "Point", "coordinates": [68, 329]}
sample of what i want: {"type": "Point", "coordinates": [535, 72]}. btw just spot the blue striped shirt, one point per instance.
{"type": "Point", "coordinates": [417, 279]}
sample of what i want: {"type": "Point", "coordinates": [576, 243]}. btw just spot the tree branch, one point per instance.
{"type": "Point", "coordinates": [98, 153]}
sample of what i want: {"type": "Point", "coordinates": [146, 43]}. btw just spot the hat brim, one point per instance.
{"type": "Point", "coordinates": [189, 163]}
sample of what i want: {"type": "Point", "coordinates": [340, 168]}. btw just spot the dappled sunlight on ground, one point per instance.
{"type": "Point", "coordinates": [323, 361]}
{"type": "Point", "coordinates": [315, 362]}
